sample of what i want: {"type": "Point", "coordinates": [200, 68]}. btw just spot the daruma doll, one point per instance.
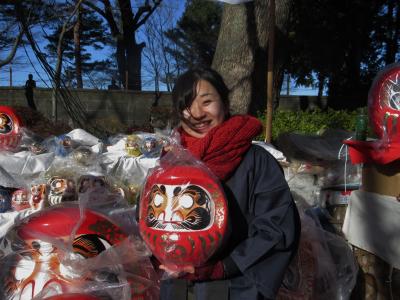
{"type": "Point", "coordinates": [10, 129]}
{"type": "Point", "coordinates": [43, 238]}
{"type": "Point", "coordinates": [384, 103]}
{"type": "Point", "coordinates": [182, 215]}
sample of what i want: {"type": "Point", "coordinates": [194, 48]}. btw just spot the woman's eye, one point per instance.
{"type": "Point", "coordinates": [207, 102]}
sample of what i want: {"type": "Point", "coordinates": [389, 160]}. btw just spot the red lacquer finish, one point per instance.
{"type": "Point", "coordinates": [10, 128]}
{"type": "Point", "coordinates": [48, 236]}
{"type": "Point", "coordinates": [384, 103]}
{"type": "Point", "coordinates": [183, 215]}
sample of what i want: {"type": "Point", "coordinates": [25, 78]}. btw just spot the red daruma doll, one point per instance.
{"type": "Point", "coordinates": [183, 215]}
{"type": "Point", "coordinates": [10, 129]}
{"type": "Point", "coordinates": [384, 103]}
{"type": "Point", "coordinates": [38, 266]}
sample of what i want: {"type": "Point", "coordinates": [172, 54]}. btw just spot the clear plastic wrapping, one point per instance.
{"type": "Point", "coordinates": [71, 248]}
{"type": "Point", "coordinates": [384, 103]}
{"type": "Point", "coordinates": [324, 266]}
{"type": "Point", "coordinates": [183, 211]}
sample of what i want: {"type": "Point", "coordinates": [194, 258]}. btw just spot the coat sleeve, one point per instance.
{"type": "Point", "coordinates": [273, 225]}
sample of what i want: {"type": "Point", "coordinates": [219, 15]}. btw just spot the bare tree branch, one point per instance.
{"type": "Point", "coordinates": [11, 55]}
{"type": "Point", "coordinates": [147, 8]}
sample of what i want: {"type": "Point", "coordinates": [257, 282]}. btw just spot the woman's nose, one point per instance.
{"type": "Point", "coordinates": [197, 111]}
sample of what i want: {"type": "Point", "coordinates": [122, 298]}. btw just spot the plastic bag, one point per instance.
{"type": "Point", "coordinates": [72, 249]}
{"type": "Point", "coordinates": [384, 103]}
{"type": "Point", "coordinates": [182, 212]}
{"type": "Point", "coordinates": [324, 266]}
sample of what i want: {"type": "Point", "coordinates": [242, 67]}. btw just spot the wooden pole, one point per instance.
{"type": "Point", "coordinates": [271, 45]}
{"type": "Point", "coordinates": [11, 83]}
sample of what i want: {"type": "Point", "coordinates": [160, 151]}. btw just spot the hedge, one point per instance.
{"type": "Point", "coordinates": [310, 122]}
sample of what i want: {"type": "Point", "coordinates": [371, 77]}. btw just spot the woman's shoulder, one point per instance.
{"type": "Point", "coordinates": [258, 152]}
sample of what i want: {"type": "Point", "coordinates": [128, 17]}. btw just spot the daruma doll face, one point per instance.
{"type": "Point", "coordinates": [384, 104]}
{"type": "Point", "coordinates": [183, 215]}
{"type": "Point", "coordinates": [10, 129]}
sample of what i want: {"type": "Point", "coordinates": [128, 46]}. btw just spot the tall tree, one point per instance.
{"type": "Point", "coordinates": [196, 34]}
{"type": "Point", "coordinates": [337, 45]}
{"type": "Point", "coordinates": [241, 54]}
{"type": "Point", "coordinates": [85, 31]}
{"type": "Point", "coordinates": [128, 50]}
{"type": "Point", "coordinates": [159, 64]}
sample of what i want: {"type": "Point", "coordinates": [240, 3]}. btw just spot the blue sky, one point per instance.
{"type": "Point", "coordinates": [25, 63]}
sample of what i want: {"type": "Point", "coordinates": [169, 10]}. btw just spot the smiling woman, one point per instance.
{"type": "Point", "coordinates": [205, 112]}
{"type": "Point", "coordinates": [262, 215]}
{"type": "Point", "coordinates": [200, 101]}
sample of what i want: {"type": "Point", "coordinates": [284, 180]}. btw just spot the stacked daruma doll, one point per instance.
{"type": "Point", "coordinates": [372, 216]}
{"type": "Point", "coordinates": [10, 129]}
{"type": "Point", "coordinates": [183, 215]}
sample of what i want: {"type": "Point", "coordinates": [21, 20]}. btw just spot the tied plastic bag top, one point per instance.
{"type": "Point", "coordinates": [183, 212]}
{"type": "Point", "coordinates": [41, 243]}
{"type": "Point", "coordinates": [10, 129]}
{"type": "Point", "coordinates": [384, 103]}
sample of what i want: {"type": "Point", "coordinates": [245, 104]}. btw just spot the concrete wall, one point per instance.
{"type": "Point", "coordinates": [129, 107]}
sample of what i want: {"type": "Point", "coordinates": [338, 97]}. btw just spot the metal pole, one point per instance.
{"type": "Point", "coordinates": [271, 45]}
{"type": "Point", "coordinates": [126, 80]}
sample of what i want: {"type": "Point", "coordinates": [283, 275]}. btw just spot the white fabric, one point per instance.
{"type": "Point", "coordinates": [6, 180]}
{"type": "Point", "coordinates": [84, 138]}
{"type": "Point", "coordinates": [8, 219]}
{"type": "Point", "coordinates": [271, 149]}
{"type": "Point", "coordinates": [25, 163]}
{"type": "Point", "coordinates": [128, 169]}
{"type": "Point", "coordinates": [372, 223]}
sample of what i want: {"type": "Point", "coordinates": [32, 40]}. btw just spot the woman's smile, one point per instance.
{"type": "Point", "coordinates": [205, 112]}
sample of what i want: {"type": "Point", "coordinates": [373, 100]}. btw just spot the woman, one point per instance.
{"type": "Point", "coordinates": [263, 217]}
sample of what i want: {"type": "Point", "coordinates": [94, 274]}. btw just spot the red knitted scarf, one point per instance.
{"type": "Point", "coordinates": [224, 146]}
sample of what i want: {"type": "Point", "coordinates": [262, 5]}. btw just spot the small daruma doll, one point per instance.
{"type": "Point", "coordinates": [183, 215]}
{"type": "Point", "coordinates": [19, 200]}
{"type": "Point", "coordinates": [10, 129]}
{"type": "Point", "coordinates": [384, 103]}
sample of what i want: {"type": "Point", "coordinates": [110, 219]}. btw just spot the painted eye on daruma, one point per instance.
{"type": "Point", "coordinates": [186, 201]}
{"type": "Point", "coordinates": [158, 200]}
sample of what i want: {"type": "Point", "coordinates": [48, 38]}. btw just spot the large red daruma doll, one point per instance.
{"type": "Point", "coordinates": [10, 128]}
{"type": "Point", "coordinates": [384, 103]}
{"type": "Point", "coordinates": [183, 215]}
{"type": "Point", "coordinates": [38, 265]}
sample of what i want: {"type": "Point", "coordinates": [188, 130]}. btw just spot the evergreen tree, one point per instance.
{"type": "Point", "coordinates": [196, 34]}
{"type": "Point", "coordinates": [92, 36]}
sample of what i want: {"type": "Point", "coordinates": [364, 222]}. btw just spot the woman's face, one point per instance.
{"type": "Point", "coordinates": [206, 111]}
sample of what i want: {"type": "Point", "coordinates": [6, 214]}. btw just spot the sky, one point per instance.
{"type": "Point", "coordinates": [25, 63]}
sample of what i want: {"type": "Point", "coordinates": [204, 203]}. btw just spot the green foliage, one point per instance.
{"type": "Point", "coordinates": [196, 34]}
{"type": "Point", "coordinates": [310, 122]}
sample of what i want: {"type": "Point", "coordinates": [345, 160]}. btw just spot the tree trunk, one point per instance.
{"type": "Point", "coordinates": [241, 54]}
{"type": "Point", "coordinates": [77, 50]}
{"type": "Point", "coordinates": [132, 50]}
{"type": "Point", "coordinates": [393, 31]}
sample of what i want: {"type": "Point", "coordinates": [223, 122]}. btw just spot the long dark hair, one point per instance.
{"type": "Point", "coordinates": [184, 91]}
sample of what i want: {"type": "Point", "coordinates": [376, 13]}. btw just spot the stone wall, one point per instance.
{"type": "Point", "coordinates": [129, 107]}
